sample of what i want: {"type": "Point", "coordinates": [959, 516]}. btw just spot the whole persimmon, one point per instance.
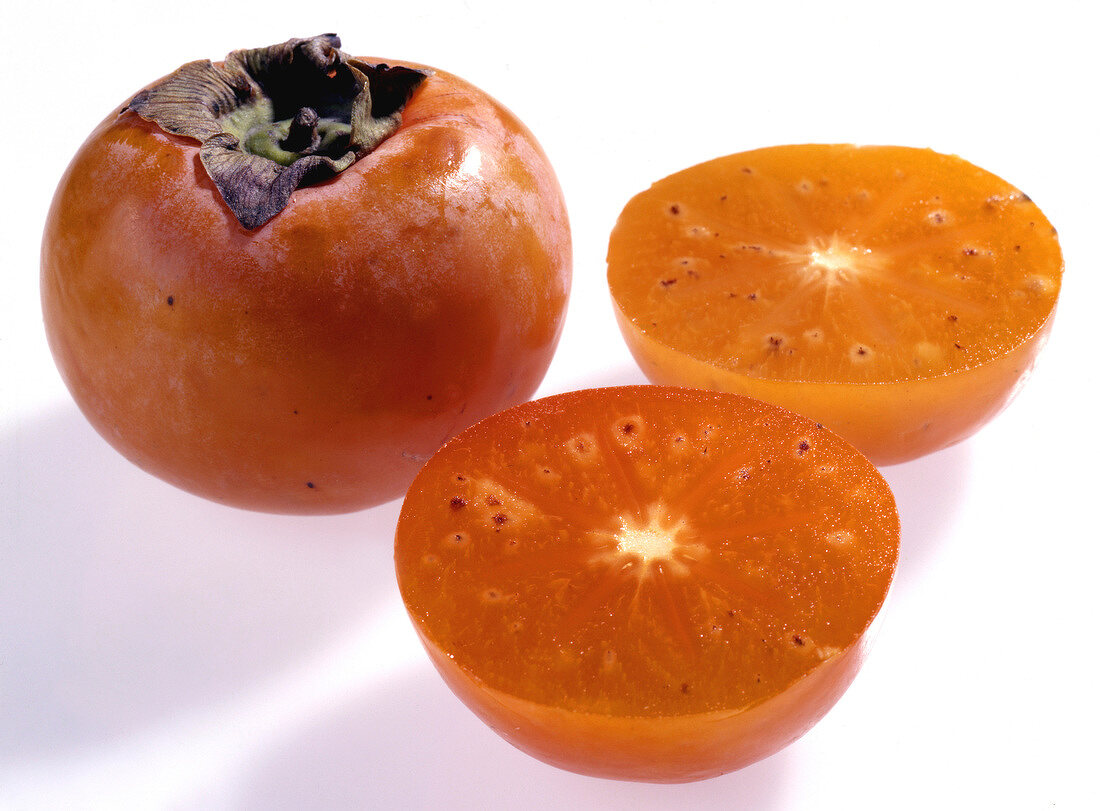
{"type": "Point", "coordinates": [282, 281]}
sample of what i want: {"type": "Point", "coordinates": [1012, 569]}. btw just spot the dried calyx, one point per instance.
{"type": "Point", "coordinates": [273, 119]}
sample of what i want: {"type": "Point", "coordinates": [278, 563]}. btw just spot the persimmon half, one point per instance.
{"type": "Point", "coordinates": [282, 281]}
{"type": "Point", "coordinates": [647, 583]}
{"type": "Point", "coordinates": [897, 295]}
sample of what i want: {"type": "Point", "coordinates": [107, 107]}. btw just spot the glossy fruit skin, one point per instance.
{"type": "Point", "coordinates": [890, 422]}
{"type": "Point", "coordinates": [313, 364]}
{"type": "Point", "coordinates": [672, 749]}
{"type": "Point", "coordinates": [658, 742]}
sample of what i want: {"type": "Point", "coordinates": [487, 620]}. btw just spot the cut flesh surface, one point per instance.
{"type": "Point", "coordinates": [836, 264]}
{"type": "Point", "coordinates": [645, 551]}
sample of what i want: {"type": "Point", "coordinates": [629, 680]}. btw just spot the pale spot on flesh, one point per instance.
{"type": "Point", "coordinates": [646, 542]}
{"type": "Point", "coordinates": [838, 261]}
{"type": "Point", "coordinates": [658, 542]}
{"type": "Point", "coordinates": [829, 262]}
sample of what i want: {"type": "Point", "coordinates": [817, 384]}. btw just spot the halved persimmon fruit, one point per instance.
{"type": "Point", "coordinates": [647, 583]}
{"type": "Point", "coordinates": [897, 295]}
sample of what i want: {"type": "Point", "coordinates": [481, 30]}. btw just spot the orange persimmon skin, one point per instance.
{"type": "Point", "coordinates": [310, 365]}
{"type": "Point", "coordinates": [891, 422]}
{"type": "Point", "coordinates": [673, 749]}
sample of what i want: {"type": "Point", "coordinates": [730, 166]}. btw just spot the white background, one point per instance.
{"type": "Point", "coordinates": [158, 651]}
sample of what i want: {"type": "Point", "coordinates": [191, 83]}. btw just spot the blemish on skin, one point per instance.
{"type": "Point", "coordinates": [171, 300]}
{"type": "Point", "coordinates": [492, 501]}
{"type": "Point", "coordinates": [674, 209]}
{"type": "Point", "coordinates": [457, 503]}
{"type": "Point", "coordinates": [798, 640]}
{"type": "Point", "coordinates": [311, 485]}
{"type": "Point", "coordinates": [668, 282]}
{"type": "Point", "coordinates": [500, 519]}
{"type": "Point", "coordinates": [803, 446]}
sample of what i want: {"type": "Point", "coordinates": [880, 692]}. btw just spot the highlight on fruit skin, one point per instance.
{"type": "Point", "coordinates": [282, 281]}
{"type": "Point", "coordinates": [647, 583]}
{"type": "Point", "coordinates": [897, 295]}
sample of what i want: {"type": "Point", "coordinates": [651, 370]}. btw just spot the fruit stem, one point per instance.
{"type": "Point", "coordinates": [303, 136]}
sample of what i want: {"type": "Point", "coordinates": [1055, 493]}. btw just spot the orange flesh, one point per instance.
{"type": "Point", "coordinates": [840, 266]}
{"type": "Point", "coordinates": [645, 557]}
